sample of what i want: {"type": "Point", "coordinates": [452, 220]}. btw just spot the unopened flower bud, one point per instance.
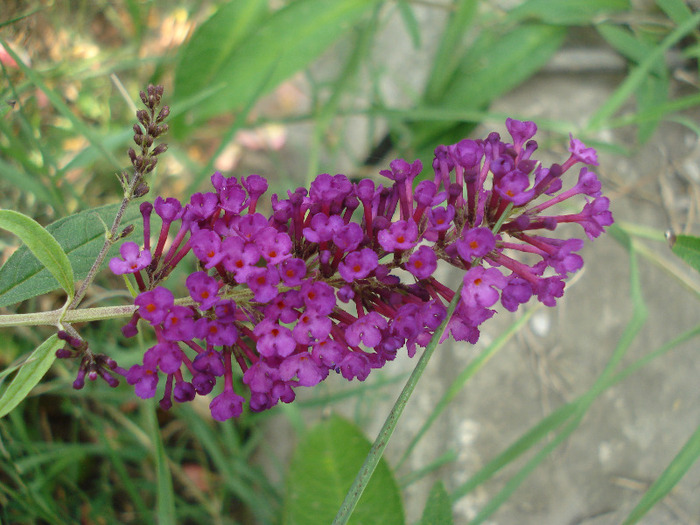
{"type": "Point", "coordinates": [160, 148]}
{"type": "Point", "coordinates": [164, 112]}
{"type": "Point", "coordinates": [126, 231]}
{"type": "Point", "coordinates": [141, 190]}
{"type": "Point", "coordinates": [143, 117]}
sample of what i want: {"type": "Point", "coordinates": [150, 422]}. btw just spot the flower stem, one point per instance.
{"type": "Point", "coordinates": [375, 453]}
{"type": "Point", "coordinates": [68, 316]}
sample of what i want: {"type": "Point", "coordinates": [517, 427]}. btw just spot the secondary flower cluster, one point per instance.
{"type": "Point", "coordinates": [341, 276]}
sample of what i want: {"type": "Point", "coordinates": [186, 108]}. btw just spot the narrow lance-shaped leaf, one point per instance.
{"type": "Point", "coordinates": [43, 245]}
{"type": "Point", "coordinates": [36, 366]}
{"type": "Point", "coordinates": [80, 237]}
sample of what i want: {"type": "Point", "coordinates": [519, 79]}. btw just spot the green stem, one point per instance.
{"type": "Point", "coordinates": [375, 453]}
{"type": "Point", "coordinates": [82, 315]}
{"type": "Point", "coordinates": [68, 316]}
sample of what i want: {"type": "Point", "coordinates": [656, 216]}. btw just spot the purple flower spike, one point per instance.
{"type": "Point", "coordinates": [133, 259]}
{"type": "Point", "coordinates": [483, 212]}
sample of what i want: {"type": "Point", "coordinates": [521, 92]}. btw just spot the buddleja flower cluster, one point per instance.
{"type": "Point", "coordinates": [341, 276]}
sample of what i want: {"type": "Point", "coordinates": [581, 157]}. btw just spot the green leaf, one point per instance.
{"type": "Point", "coordinates": [451, 50]}
{"type": "Point", "coordinates": [165, 495]}
{"type": "Point", "coordinates": [495, 64]}
{"type": "Point", "coordinates": [410, 22]}
{"type": "Point", "coordinates": [687, 248]}
{"type": "Point", "coordinates": [322, 470]}
{"type": "Point", "coordinates": [571, 12]}
{"type": "Point", "coordinates": [261, 53]}
{"type": "Point", "coordinates": [203, 57]}
{"type": "Point", "coordinates": [80, 236]}
{"type": "Point", "coordinates": [438, 510]}
{"type": "Point", "coordinates": [43, 246]}
{"type": "Point", "coordinates": [676, 10]}
{"type": "Point", "coordinates": [26, 182]}
{"type": "Point", "coordinates": [30, 374]}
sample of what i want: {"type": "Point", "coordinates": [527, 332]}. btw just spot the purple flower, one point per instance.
{"type": "Point", "coordinates": [133, 259]}
{"type": "Point", "coordinates": [367, 329]}
{"type": "Point", "coordinates": [240, 257]}
{"type": "Point", "coordinates": [145, 381]}
{"type": "Point", "coordinates": [226, 405]}
{"type": "Point", "coordinates": [513, 188]}
{"type": "Point", "coordinates": [263, 283]}
{"type": "Point", "coordinates": [165, 355]}
{"type": "Point", "coordinates": [203, 289]}
{"type": "Point", "coordinates": [518, 291]}
{"type": "Point", "coordinates": [475, 242]}
{"type": "Point", "coordinates": [293, 271]}
{"type": "Point", "coordinates": [155, 304]}
{"type": "Point", "coordinates": [178, 324]}
{"type": "Point", "coordinates": [581, 153]}
{"type": "Point", "coordinates": [209, 362]}
{"type": "Point", "coordinates": [168, 210]}
{"type": "Point", "coordinates": [401, 235]}
{"type": "Point", "coordinates": [348, 237]}
{"type": "Point", "coordinates": [274, 246]}
{"type": "Point", "coordinates": [358, 265]}
{"type": "Point", "coordinates": [322, 227]}
{"type": "Point", "coordinates": [216, 332]}
{"type": "Point", "coordinates": [274, 340]}
{"type": "Point", "coordinates": [302, 366]}
{"type": "Point", "coordinates": [206, 245]}
{"type": "Point", "coordinates": [202, 206]}
{"type": "Point", "coordinates": [520, 131]}
{"type": "Point", "coordinates": [311, 327]}
{"type": "Point", "coordinates": [318, 296]}
{"type": "Point", "coordinates": [283, 307]}
{"type": "Point", "coordinates": [479, 286]}
{"type": "Point", "coordinates": [422, 263]}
